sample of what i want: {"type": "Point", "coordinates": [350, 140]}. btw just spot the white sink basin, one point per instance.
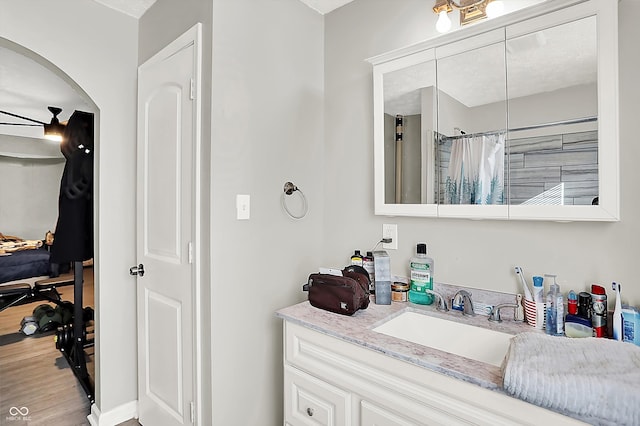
{"type": "Point", "coordinates": [465, 340]}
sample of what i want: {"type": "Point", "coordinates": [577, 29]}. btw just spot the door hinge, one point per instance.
{"type": "Point", "coordinates": [192, 93]}
{"type": "Point", "coordinates": [193, 412]}
{"type": "Point", "coordinates": [190, 252]}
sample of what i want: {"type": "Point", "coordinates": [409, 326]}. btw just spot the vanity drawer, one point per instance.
{"type": "Point", "coordinates": [374, 415]}
{"type": "Point", "coordinates": [311, 401]}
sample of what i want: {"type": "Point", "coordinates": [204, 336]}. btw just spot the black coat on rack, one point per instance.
{"type": "Point", "coordinates": [74, 231]}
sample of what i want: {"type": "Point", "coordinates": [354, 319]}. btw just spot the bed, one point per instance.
{"type": "Point", "coordinates": [24, 265]}
{"type": "Point", "coordinates": [27, 275]}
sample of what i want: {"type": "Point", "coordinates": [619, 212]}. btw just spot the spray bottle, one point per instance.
{"type": "Point", "coordinates": [599, 310]}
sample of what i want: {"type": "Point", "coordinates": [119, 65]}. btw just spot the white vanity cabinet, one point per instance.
{"type": "Point", "coordinates": [329, 381]}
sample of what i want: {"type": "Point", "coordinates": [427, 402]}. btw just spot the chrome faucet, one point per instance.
{"type": "Point", "coordinates": [518, 310]}
{"type": "Point", "coordinates": [465, 297]}
{"type": "Point", "coordinates": [441, 302]}
{"type": "Point", "coordinates": [494, 315]}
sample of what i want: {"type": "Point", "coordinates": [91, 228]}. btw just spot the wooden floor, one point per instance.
{"type": "Point", "coordinates": [35, 376]}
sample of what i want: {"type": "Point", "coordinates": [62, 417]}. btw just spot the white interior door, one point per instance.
{"type": "Point", "coordinates": [167, 137]}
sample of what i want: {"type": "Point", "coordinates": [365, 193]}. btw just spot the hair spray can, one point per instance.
{"type": "Point", "coordinates": [599, 311]}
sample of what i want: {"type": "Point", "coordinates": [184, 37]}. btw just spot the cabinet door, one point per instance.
{"type": "Point", "coordinates": [374, 415]}
{"type": "Point", "coordinates": [310, 401]}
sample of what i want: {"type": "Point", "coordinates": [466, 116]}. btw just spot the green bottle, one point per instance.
{"type": "Point", "coordinates": [421, 267]}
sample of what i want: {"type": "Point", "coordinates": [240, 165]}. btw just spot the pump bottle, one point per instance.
{"type": "Point", "coordinates": [369, 265]}
{"type": "Point", "coordinates": [555, 309]}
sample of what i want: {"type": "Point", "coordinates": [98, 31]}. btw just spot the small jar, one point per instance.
{"type": "Point", "coordinates": [399, 292]}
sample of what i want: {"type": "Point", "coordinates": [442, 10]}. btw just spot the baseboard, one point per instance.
{"type": "Point", "coordinates": [120, 414]}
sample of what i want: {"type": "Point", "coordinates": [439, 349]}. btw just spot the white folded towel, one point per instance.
{"type": "Point", "coordinates": [596, 380]}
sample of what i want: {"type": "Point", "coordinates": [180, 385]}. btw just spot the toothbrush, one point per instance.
{"type": "Point", "coordinates": [527, 291]}
{"type": "Point", "coordinates": [617, 313]}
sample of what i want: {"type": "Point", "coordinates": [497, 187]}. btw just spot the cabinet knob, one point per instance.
{"type": "Point", "coordinates": [310, 411]}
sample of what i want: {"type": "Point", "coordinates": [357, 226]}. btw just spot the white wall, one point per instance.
{"type": "Point", "coordinates": [29, 206]}
{"type": "Point", "coordinates": [266, 97]}
{"type": "Point", "coordinates": [95, 46]}
{"type": "Point", "coordinates": [480, 254]}
{"type": "Point", "coordinates": [267, 129]}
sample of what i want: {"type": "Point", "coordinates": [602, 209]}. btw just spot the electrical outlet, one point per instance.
{"type": "Point", "coordinates": [390, 231]}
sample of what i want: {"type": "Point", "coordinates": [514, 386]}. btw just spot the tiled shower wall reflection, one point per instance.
{"type": "Point", "coordinates": [541, 165]}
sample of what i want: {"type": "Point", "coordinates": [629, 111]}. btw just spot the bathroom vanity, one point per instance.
{"type": "Point", "coordinates": [338, 370]}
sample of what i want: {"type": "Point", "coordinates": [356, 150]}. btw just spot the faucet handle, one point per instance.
{"type": "Point", "coordinates": [494, 315]}
{"type": "Point", "coordinates": [441, 302]}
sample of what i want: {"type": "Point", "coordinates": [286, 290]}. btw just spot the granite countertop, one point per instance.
{"type": "Point", "coordinates": [358, 329]}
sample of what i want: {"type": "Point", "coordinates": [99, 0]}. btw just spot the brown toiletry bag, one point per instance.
{"type": "Point", "coordinates": [340, 294]}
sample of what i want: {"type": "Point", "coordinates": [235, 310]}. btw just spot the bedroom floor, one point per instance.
{"type": "Point", "coordinates": [35, 375]}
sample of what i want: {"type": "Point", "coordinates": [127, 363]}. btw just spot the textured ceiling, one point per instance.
{"type": "Point", "coordinates": [136, 8]}
{"type": "Point", "coordinates": [27, 88]}
{"type": "Point", "coordinates": [325, 6]}
{"type": "Point", "coordinates": [549, 60]}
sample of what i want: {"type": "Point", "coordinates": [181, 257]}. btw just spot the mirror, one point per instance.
{"type": "Point", "coordinates": [518, 121]}
{"type": "Point", "coordinates": [472, 113]}
{"type": "Point", "coordinates": [409, 126]}
{"type": "Point", "coordinates": [553, 110]}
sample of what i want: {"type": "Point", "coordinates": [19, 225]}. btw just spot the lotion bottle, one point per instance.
{"type": "Point", "coordinates": [555, 310]}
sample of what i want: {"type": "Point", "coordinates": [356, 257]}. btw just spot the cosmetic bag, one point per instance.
{"type": "Point", "coordinates": [344, 294]}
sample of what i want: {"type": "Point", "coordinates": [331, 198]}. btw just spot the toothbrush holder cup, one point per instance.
{"type": "Point", "coordinates": [535, 313]}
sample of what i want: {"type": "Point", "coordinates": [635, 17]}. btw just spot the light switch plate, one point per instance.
{"type": "Point", "coordinates": [243, 206]}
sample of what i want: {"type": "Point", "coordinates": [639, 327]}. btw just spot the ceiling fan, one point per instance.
{"type": "Point", "coordinates": [52, 131]}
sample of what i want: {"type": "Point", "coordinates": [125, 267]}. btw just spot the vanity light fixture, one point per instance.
{"type": "Point", "coordinates": [470, 11]}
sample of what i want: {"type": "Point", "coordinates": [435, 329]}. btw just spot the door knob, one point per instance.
{"type": "Point", "coordinates": [137, 270]}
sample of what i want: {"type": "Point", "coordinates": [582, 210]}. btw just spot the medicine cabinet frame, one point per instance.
{"type": "Point", "coordinates": [524, 21]}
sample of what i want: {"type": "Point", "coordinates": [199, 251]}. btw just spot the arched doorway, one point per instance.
{"type": "Point", "coordinates": [30, 84]}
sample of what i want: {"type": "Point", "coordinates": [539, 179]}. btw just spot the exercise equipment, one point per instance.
{"type": "Point", "coordinates": [71, 339]}
{"type": "Point", "coordinates": [42, 290]}
{"type": "Point", "coordinates": [46, 318]}
{"type": "Point", "coordinates": [28, 325]}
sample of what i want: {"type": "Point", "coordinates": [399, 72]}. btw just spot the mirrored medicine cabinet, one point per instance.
{"type": "Point", "coordinates": [513, 118]}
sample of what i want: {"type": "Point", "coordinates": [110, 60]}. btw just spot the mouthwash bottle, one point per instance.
{"type": "Point", "coordinates": [421, 267]}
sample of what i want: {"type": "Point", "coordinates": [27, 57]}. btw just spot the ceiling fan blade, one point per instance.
{"type": "Point", "coordinates": [21, 117]}
{"type": "Point", "coordinates": [20, 124]}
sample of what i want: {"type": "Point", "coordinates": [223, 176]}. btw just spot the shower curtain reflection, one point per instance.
{"type": "Point", "coordinates": [475, 170]}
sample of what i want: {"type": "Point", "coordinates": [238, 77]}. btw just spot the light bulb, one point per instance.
{"type": "Point", "coordinates": [444, 23]}
{"type": "Point", "coordinates": [54, 138]}
{"type": "Point", "coordinates": [495, 9]}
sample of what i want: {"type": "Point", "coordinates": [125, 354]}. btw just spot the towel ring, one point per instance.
{"type": "Point", "coordinates": [289, 189]}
